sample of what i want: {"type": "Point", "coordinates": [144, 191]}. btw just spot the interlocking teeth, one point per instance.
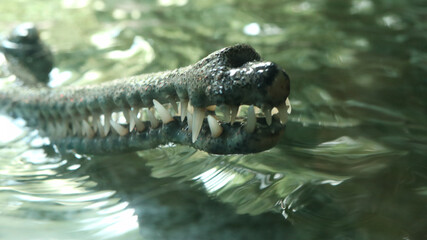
{"type": "Point", "coordinates": [118, 128]}
{"type": "Point", "coordinates": [76, 127]}
{"type": "Point", "coordinates": [190, 111]}
{"type": "Point", "coordinates": [227, 116]}
{"type": "Point", "coordinates": [174, 106]}
{"type": "Point", "coordinates": [132, 119]}
{"type": "Point", "coordinates": [164, 114]}
{"type": "Point", "coordinates": [190, 121]}
{"type": "Point", "coordinates": [87, 130]}
{"type": "Point", "coordinates": [97, 126]}
{"type": "Point", "coordinates": [135, 121]}
{"type": "Point", "coordinates": [216, 129]}
{"type": "Point", "coordinates": [107, 126]}
{"type": "Point", "coordinates": [184, 104]}
{"type": "Point", "coordinates": [126, 116]}
{"type": "Point", "coordinates": [267, 114]}
{"type": "Point", "coordinates": [153, 121]}
{"type": "Point", "coordinates": [283, 114]}
{"type": "Point", "coordinates": [251, 123]}
{"type": "Point", "coordinates": [198, 116]}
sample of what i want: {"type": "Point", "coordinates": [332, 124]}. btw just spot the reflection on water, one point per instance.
{"type": "Point", "coordinates": [351, 164]}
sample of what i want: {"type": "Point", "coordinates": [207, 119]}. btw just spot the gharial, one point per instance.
{"type": "Point", "coordinates": [230, 102]}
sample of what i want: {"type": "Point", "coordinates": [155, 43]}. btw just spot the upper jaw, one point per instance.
{"type": "Point", "coordinates": [235, 86]}
{"type": "Point", "coordinates": [262, 109]}
{"type": "Point", "coordinates": [263, 84]}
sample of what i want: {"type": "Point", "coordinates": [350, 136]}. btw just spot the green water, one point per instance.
{"type": "Point", "coordinates": [352, 164]}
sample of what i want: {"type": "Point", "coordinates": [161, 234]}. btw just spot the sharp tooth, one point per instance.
{"type": "Point", "coordinates": [118, 128]}
{"type": "Point", "coordinates": [190, 111]}
{"type": "Point", "coordinates": [190, 120]}
{"type": "Point", "coordinates": [283, 115]}
{"type": "Point", "coordinates": [226, 113]}
{"type": "Point", "coordinates": [288, 105]}
{"type": "Point", "coordinates": [62, 123]}
{"type": "Point", "coordinates": [66, 128]}
{"type": "Point", "coordinates": [87, 129]}
{"type": "Point", "coordinates": [73, 127]}
{"type": "Point", "coordinates": [136, 122]}
{"type": "Point", "coordinates": [234, 110]}
{"type": "Point", "coordinates": [132, 122]}
{"type": "Point", "coordinates": [153, 121]}
{"type": "Point", "coordinates": [211, 108]}
{"type": "Point", "coordinates": [267, 113]}
{"type": "Point", "coordinates": [143, 114]}
{"type": "Point", "coordinates": [63, 129]}
{"type": "Point", "coordinates": [174, 106]}
{"type": "Point", "coordinates": [94, 122]}
{"type": "Point", "coordinates": [216, 129]}
{"type": "Point", "coordinates": [190, 108]}
{"type": "Point", "coordinates": [184, 105]}
{"type": "Point", "coordinates": [100, 127]}
{"type": "Point", "coordinates": [76, 127]}
{"type": "Point", "coordinates": [239, 111]}
{"type": "Point", "coordinates": [126, 115]}
{"type": "Point", "coordinates": [199, 115]}
{"type": "Point", "coordinates": [274, 111]}
{"type": "Point", "coordinates": [107, 118]}
{"type": "Point", "coordinates": [164, 114]}
{"type": "Point", "coordinates": [69, 126]}
{"type": "Point", "coordinates": [250, 125]}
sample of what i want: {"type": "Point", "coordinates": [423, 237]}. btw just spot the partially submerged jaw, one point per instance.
{"type": "Point", "coordinates": [254, 124]}
{"type": "Point", "coordinates": [229, 102]}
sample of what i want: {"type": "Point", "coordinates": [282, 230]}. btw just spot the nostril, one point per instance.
{"type": "Point", "coordinates": [238, 55]}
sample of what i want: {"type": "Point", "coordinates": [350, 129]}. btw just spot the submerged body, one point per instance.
{"type": "Point", "coordinates": [229, 102]}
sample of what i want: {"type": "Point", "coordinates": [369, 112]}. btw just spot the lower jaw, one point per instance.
{"type": "Point", "coordinates": [234, 139]}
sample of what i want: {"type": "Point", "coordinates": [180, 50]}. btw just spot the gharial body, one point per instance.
{"type": "Point", "coordinates": [230, 102]}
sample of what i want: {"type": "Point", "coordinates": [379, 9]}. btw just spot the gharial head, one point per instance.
{"type": "Point", "coordinates": [245, 96]}
{"type": "Point", "coordinates": [236, 75]}
{"type": "Point", "coordinates": [231, 102]}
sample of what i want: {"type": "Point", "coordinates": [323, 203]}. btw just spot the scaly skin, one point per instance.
{"type": "Point", "coordinates": [230, 77]}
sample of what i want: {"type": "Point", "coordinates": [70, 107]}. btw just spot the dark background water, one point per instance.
{"type": "Point", "coordinates": [352, 164]}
